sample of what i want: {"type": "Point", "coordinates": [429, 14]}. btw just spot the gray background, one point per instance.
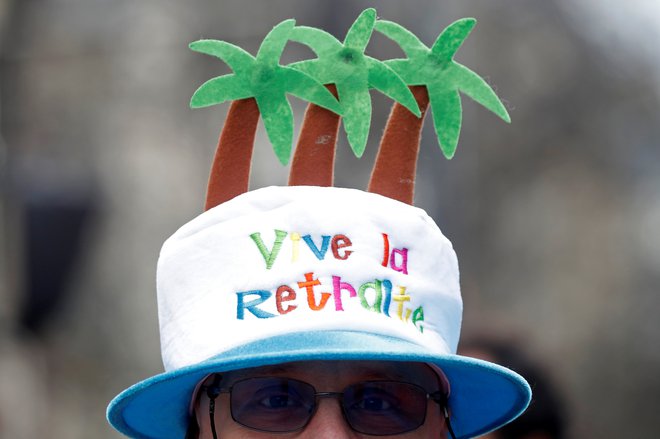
{"type": "Point", "coordinates": [554, 217]}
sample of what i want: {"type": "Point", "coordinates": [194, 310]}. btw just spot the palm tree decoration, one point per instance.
{"type": "Point", "coordinates": [353, 73]}
{"type": "Point", "coordinates": [435, 77]}
{"type": "Point", "coordinates": [258, 85]}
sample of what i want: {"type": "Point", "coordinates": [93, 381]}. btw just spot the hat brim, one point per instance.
{"type": "Point", "coordinates": [483, 396]}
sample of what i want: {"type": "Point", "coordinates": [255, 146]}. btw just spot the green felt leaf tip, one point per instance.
{"type": "Point", "coordinates": [273, 44]}
{"type": "Point", "coordinates": [443, 77]}
{"type": "Point", "coordinates": [278, 121]}
{"type": "Point", "coordinates": [320, 41]}
{"type": "Point", "coordinates": [382, 77]}
{"type": "Point", "coordinates": [356, 103]}
{"type": "Point", "coordinates": [447, 116]}
{"type": "Point", "coordinates": [408, 41]}
{"type": "Point", "coordinates": [451, 39]}
{"type": "Point", "coordinates": [236, 58]}
{"type": "Point", "coordinates": [476, 88]}
{"type": "Point", "coordinates": [359, 34]}
{"type": "Point", "coordinates": [219, 90]}
{"type": "Point", "coordinates": [353, 73]}
{"type": "Point", "coordinates": [305, 87]}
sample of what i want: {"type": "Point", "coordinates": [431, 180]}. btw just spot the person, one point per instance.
{"type": "Point", "coordinates": [313, 311]}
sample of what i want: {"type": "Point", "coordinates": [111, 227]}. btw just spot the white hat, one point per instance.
{"type": "Point", "coordinates": [286, 274]}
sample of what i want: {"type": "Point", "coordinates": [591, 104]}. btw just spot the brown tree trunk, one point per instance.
{"type": "Point", "coordinates": [394, 171]}
{"type": "Point", "coordinates": [230, 173]}
{"type": "Point", "coordinates": [314, 159]}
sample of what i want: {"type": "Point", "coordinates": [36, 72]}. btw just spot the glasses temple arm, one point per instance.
{"type": "Point", "coordinates": [212, 392]}
{"type": "Point", "coordinates": [441, 399]}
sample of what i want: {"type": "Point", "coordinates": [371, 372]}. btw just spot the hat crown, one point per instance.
{"type": "Point", "coordinates": [281, 260]}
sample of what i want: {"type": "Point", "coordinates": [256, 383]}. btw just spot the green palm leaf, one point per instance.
{"type": "Point", "coordinates": [410, 44]}
{"type": "Point", "coordinates": [305, 87]}
{"type": "Point", "coordinates": [356, 102]}
{"type": "Point", "coordinates": [273, 44]}
{"type": "Point", "coordinates": [263, 78]}
{"type": "Point", "coordinates": [443, 77]}
{"type": "Point", "coordinates": [236, 58]}
{"type": "Point", "coordinates": [451, 39]}
{"type": "Point", "coordinates": [472, 85]}
{"type": "Point", "coordinates": [321, 42]}
{"type": "Point", "coordinates": [446, 111]}
{"type": "Point", "coordinates": [383, 78]}
{"type": "Point", "coordinates": [354, 73]}
{"type": "Point", "coordinates": [360, 31]}
{"type": "Point", "coordinates": [278, 121]}
{"type": "Point", "coordinates": [219, 90]}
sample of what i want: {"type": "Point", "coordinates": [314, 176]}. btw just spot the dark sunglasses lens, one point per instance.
{"type": "Point", "coordinates": [385, 408]}
{"type": "Point", "coordinates": [272, 404]}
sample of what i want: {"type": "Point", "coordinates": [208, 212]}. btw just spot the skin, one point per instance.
{"type": "Point", "coordinates": [328, 421]}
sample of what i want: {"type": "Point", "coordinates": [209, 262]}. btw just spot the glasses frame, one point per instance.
{"type": "Point", "coordinates": [214, 390]}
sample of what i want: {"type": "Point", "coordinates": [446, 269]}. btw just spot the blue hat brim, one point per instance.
{"type": "Point", "coordinates": [484, 396]}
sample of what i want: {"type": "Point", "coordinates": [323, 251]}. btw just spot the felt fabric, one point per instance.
{"type": "Point", "coordinates": [443, 77]}
{"type": "Point", "coordinates": [299, 273]}
{"type": "Point", "coordinates": [230, 172]}
{"type": "Point", "coordinates": [353, 73]}
{"type": "Point", "coordinates": [394, 171]}
{"type": "Point", "coordinates": [264, 79]}
{"type": "Point", "coordinates": [314, 158]}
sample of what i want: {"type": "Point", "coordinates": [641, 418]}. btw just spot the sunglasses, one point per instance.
{"type": "Point", "coordinates": [282, 405]}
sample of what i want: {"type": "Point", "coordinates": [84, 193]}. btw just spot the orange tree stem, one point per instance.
{"type": "Point", "coordinates": [314, 159]}
{"type": "Point", "coordinates": [230, 173]}
{"type": "Point", "coordinates": [394, 171]}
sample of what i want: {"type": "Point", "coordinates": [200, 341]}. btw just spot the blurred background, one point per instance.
{"type": "Point", "coordinates": [554, 217]}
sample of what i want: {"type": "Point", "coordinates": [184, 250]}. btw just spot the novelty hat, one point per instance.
{"type": "Point", "coordinates": [310, 271]}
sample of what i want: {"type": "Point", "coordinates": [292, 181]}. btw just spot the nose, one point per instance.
{"type": "Point", "coordinates": [328, 422]}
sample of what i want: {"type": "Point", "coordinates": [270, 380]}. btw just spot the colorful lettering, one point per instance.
{"type": "Point", "coordinates": [337, 287]}
{"type": "Point", "coordinates": [362, 293]}
{"type": "Point", "coordinates": [402, 267]}
{"type": "Point", "coordinates": [285, 294]}
{"type": "Point", "coordinates": [376, 296]}
{"type": "Point", "coordinates": [386, 250]}
{"type": "Point", "coordinates": [401, 298]}
{"type": "Point", "coordinates": [295, 247]}
{"type": "Point", "coordinates": [251, 306]}
{"type": "Point", "coordinates": [320, 254]}
{"type": "Point", "coordinates": [418, 316]}
{"type": "Point", "coordinates": [387, 285]}
{"type": "Point", "coordinates": [269, 255]}
{"type": "Point", "coordinates": [309, 285]}
{"type": "Point", "coordinates": [339, 242]}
